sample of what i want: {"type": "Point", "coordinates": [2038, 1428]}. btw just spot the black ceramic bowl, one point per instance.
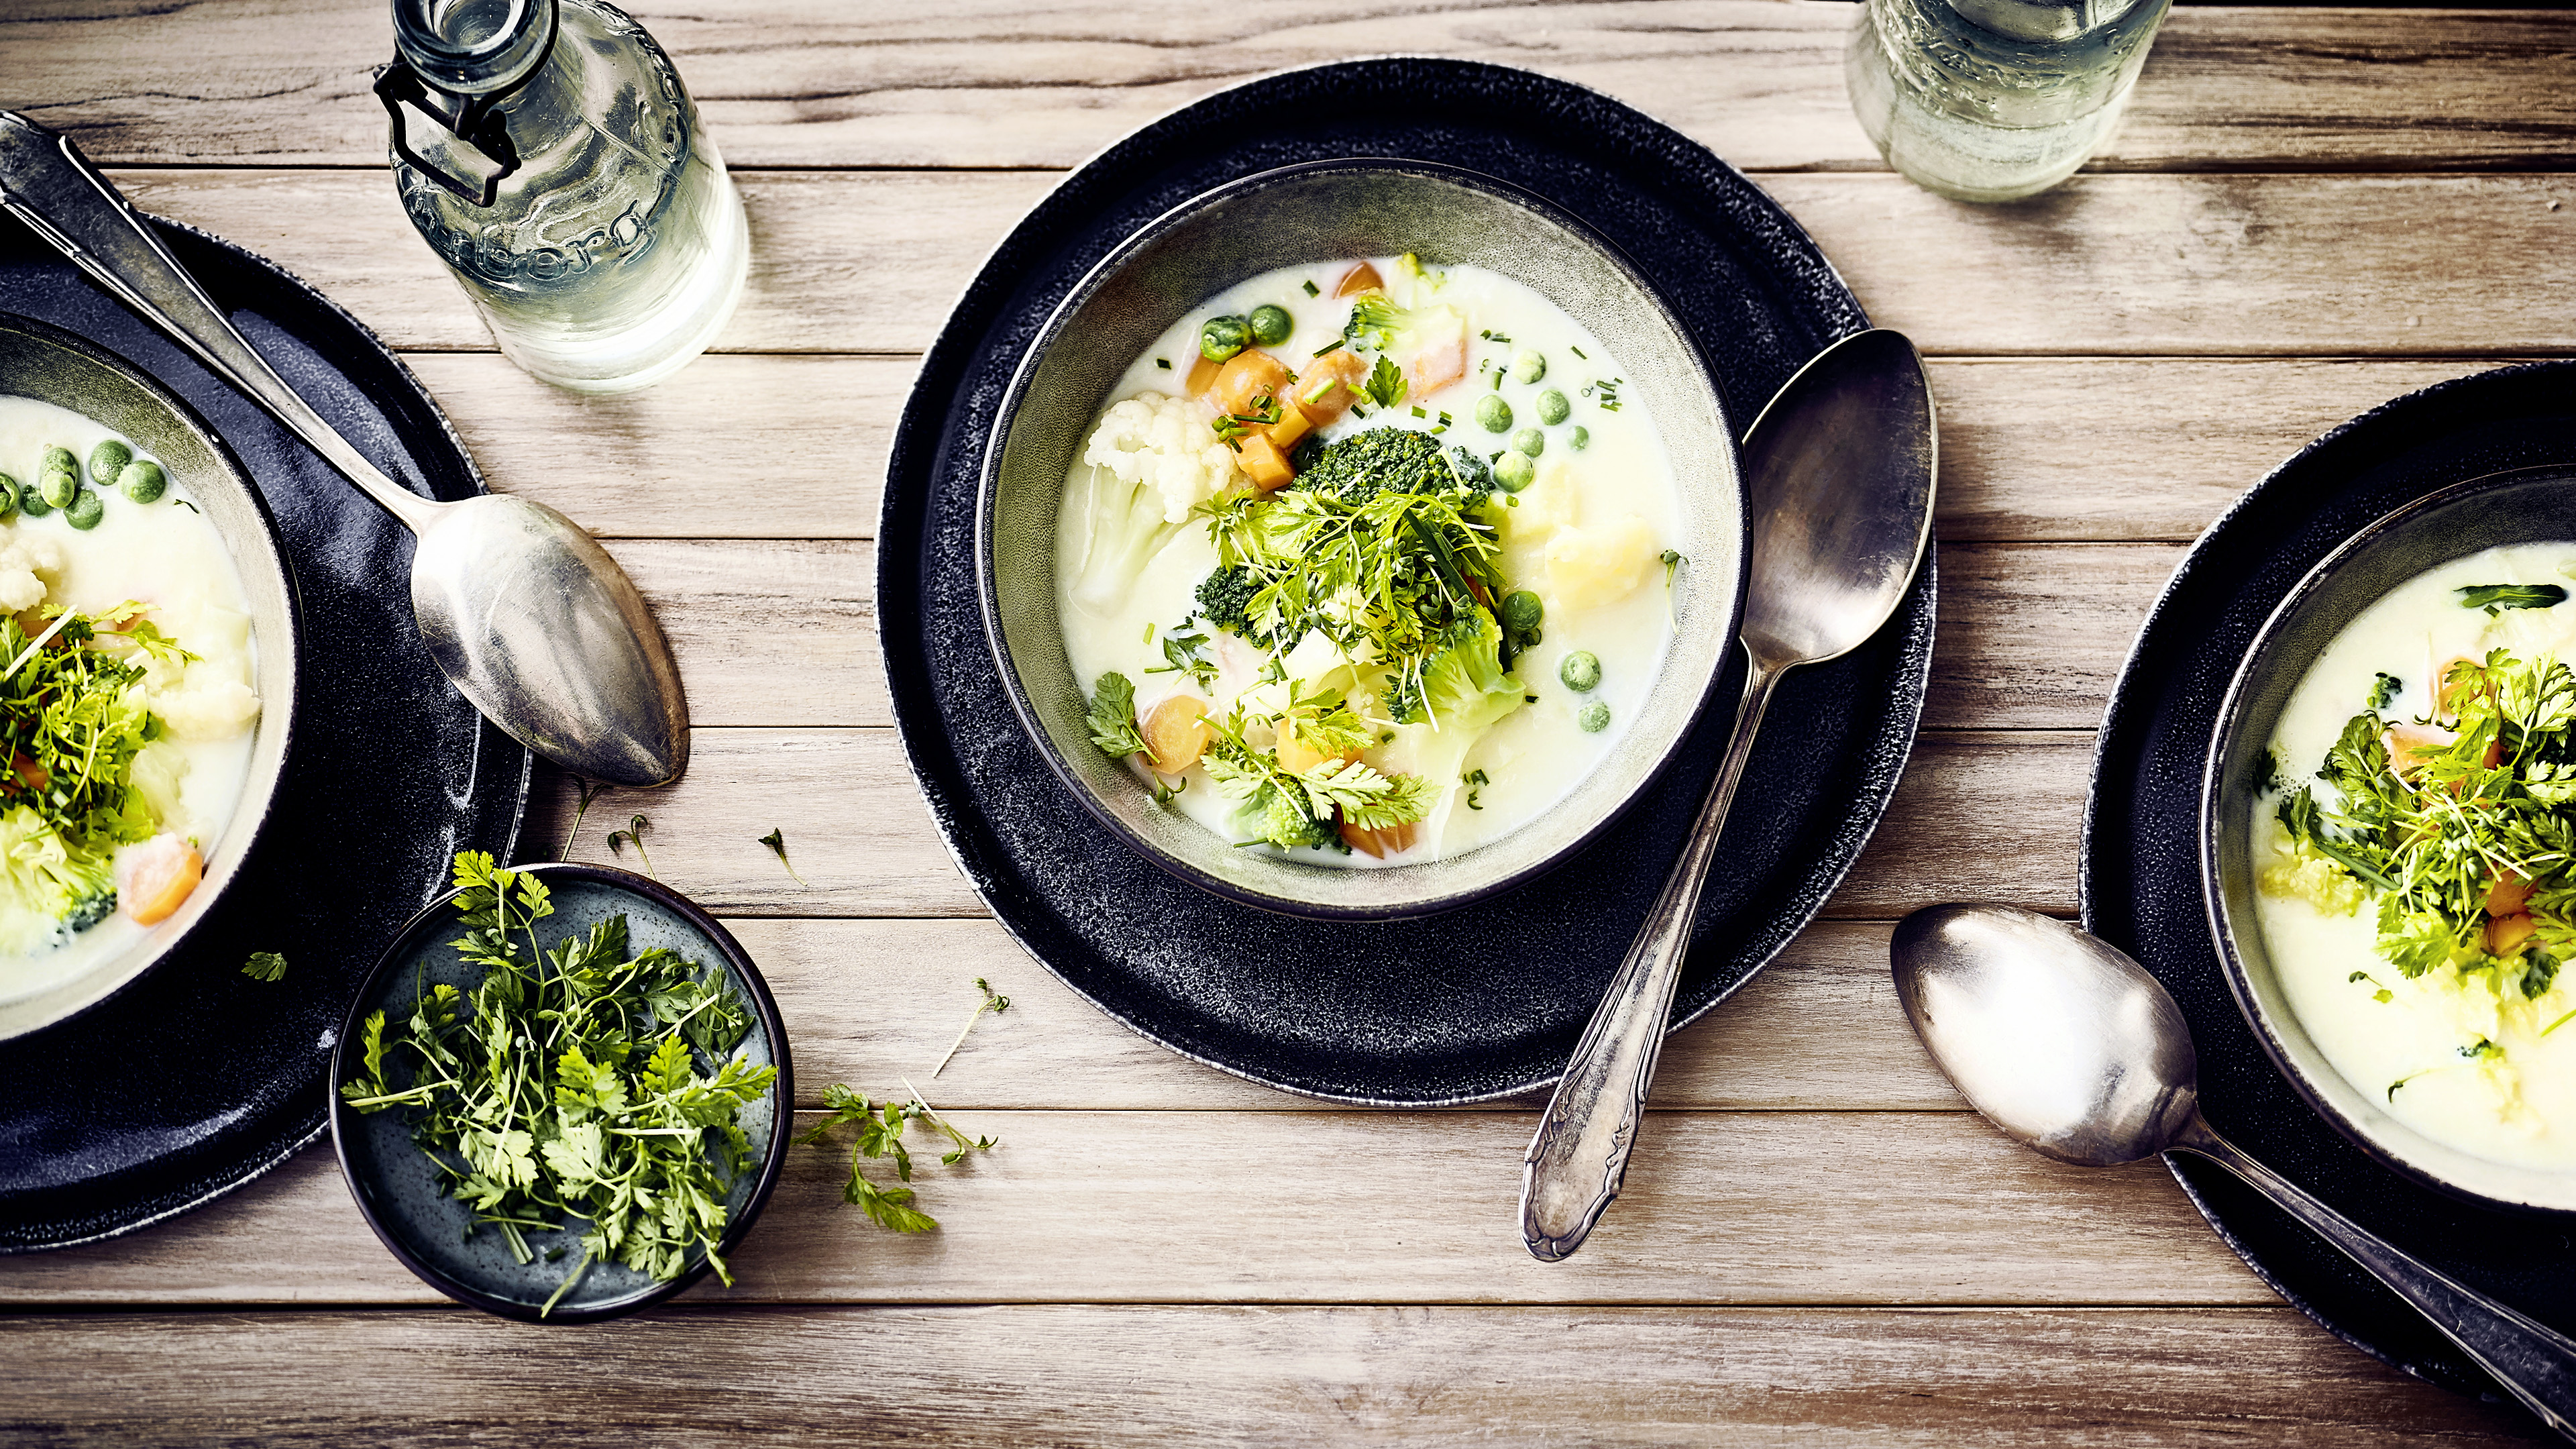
{"type": "Point", "coordinates": [1322, 211]}
{"type": "Point", "coordinates": [397, 1187]}
{"type": "Point", "coordinates": [2526, 506]}
{"type": "Point", "coordinates": [51, 365]}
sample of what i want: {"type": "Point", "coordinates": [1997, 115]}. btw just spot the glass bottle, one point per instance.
{"type": "Point", "coordinates": [549, 154]}
{"type": "Point", "coordinates": [1989, 100]}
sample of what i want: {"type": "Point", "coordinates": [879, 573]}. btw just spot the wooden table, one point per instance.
{"type": "Point", "coordinates": [2308, 212]}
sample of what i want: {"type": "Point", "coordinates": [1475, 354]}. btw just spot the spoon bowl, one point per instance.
{"type": "Point", "coordinates": [2072, 1049]}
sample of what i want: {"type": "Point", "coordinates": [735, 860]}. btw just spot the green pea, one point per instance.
{"type": "Point", "coordinates": [1222, 337]}
{"type": "Point", "coordinates": [1530, 441]}
{"type": "Point", "coordinates": [1579, 439]}
{"type": "Point", "coordinates": [1528, 366]}
{"type": "Point", "coordinates": [1493, 414]}
{"type": "Point", "coordinates": [85, 511]}
{"type": "Point", "coordinates": [9, 492]}
{"type": "Point", "coordinates": [31, 501]}
{"type": "Point", "coordinates": [1594, 717]}
{"type": "Point", "coordinates": [1522, 611]}
{"type": "Point", "coordinates": [1581, 672]}
{"type": "Point", "coordinates": [59, 488]}
{"type": "Point", "coordinates": [1553, 408]}
{"type": "Point", "coordinates": [58, 460]}
{"type": "Point", "coordinates": [1515, 472]}
{"type": "Point", "coordinates": [107, 460]}
{"type": "Point", "coordinates": [143, 481]}
{"type": "Point", "coordinates": [1271, 325]}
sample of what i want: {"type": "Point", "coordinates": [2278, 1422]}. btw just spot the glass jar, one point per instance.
{"type": "Point", "coordinates": [549, 154]}
{"type": "Point", "coordinates": [1989, 100]}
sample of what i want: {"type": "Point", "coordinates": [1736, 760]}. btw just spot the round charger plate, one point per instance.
{"type": "Point", "coordinates": [2141, 883]}
{"type": "Point", "coordinates": [198, 1078]}
{"type": "Point", "coordinates": [1476, 1003]}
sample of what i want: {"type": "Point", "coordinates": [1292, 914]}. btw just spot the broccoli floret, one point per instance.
{"type": "Point", "coordinates": [1286, 823]}
{"type": "Point", "coordinates": [89, 910]}
{"type": "Point", "coordinates": [74, 887]}
{"type": "Point", "coordinates": [1225, 600]}
{"type": "Point", "coordinates": [1381, 460]}
{"type": "Point", "coordinates": [1465, 686]}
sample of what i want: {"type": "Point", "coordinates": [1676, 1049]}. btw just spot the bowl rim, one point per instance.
{"type": "Point", "coordinates": [783, 1095]}
{"type": "Point", "coordinates": [2304, 1077]}
{"type": "Point", "coordinates": [288, 713]}
{"type": "Point", "coordinates": [1023, 378]}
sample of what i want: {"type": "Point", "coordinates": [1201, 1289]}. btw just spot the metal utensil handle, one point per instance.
{"type": "Point", "coordinates": [2535, 1363]}
{"type": "Point", "coordinates": [1580, 1155]}
{"type": "Point", "coordinates": [47, 183]}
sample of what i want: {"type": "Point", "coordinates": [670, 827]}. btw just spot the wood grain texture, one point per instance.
{"type": "Point", "coordinates": [1979, 815]}
{"type": "Point", "coordinates": [2127, 265]}
{"type": "Point", "coordinates": [1325, 1207]}
{"type": "Point", "coordinates": [1012, 83]}
{"type": "Point", "coordinates": [977, 1377]}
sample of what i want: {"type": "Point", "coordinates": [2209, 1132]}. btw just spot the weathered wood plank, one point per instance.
{"type": "Point", "coordinates": [1979, 816]}
{"type": "Point", "coordinates": [1304, 1207]}
{"type": "Point", "coordinates": [1013, 83]}
{"type": "Point", "coordinates": [783, 446]}
{"type": "Point", "coordinates": [970, 1377]}
{"type": "Point", "coordinates": [2159, 264]}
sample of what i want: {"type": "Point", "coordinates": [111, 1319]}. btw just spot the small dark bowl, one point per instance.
{"type": "Point", "coordinates": [44, 362]}
{"type": "Point", "coordinates": [2532, 505]}
{"type": "Point", "coordinates": [1320, 211]}
{"type": "Point", "coordinates": [398, 1190]}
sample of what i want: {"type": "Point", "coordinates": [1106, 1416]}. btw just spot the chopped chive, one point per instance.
{"type": "Point", "coordinates": [1418, 411]}
{"type": "Point", "coordinates": [1577, 351]}
{"type": "Point", "coordinates": [1164, 363]}
{"type": "Point", "coordinates": [1312, 290]}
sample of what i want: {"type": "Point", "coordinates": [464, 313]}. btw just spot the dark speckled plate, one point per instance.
{"type": "Point", "coordinates": [2142, 888]}
{"type": "Point", "coordinates": [198, 1078]}
{"type": "Point", "coordinates": [1485, 1001]}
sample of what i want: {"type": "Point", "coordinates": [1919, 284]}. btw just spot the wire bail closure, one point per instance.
{"type": "Point", "coordinates": [473, 124]}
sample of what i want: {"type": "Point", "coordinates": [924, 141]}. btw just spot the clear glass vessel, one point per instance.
{"type": "Point", "coordinates": [548, 152]}
{"type": "Point", "coordinates": [1989, 100]}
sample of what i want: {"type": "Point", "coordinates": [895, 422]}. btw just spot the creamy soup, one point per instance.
{"type": "Point", "coordinates": [2444, 997]}
{"type": "Point", "coordinates": [149, 579]}
{"type": "Point", "coordinates": [1553, 512]}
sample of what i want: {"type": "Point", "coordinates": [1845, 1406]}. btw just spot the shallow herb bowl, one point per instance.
{"type": "Point", "coordinates": [1320, 211]}
{"type": "Point", "coordinates": [46, 363]}
{"type": "Point", "coordinates": [394, 1182]}
{"type": "Point", "coordinates": [2526, 506]}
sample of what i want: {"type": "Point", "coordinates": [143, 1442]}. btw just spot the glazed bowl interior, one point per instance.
{"type": "Point", "coordinates": [2531, 506]}
{"type": "Point", "coordinates": [45, 363]}
{"type": "Point", "coordinates": [1303, 215]}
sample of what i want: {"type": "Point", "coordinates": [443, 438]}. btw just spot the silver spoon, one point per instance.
{"type": "Point", "coordinates": [2073, 1049]}
{"type": "Point", "coordinates": [1838, 470]}
{"type": "Point", "coordinates": [529, 617]}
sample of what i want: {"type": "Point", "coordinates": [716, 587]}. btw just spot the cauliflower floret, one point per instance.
{"type": "Point", "coordinates": [1163, 443]}
{"type": "Point", "coordinates": [1600, 563]}
{"type": "Point", "coordinates": [202, 709]}
{"type": "Point", "coordinates": [22, 557]}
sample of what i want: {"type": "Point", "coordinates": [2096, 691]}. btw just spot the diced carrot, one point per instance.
{"type": "Point", "coordinates": [1362, 278]}
{"type": "Point", "coordinates": [1202, 376]}
{"type": "Point", "coordinates": [1379, 844]}
{"type": "Point", "coordinates": [1262, 462]}
{"type": "Point", "coordinates": [29, 773]}
{"type": "Point", "coordinates": [2506, 934]}
{"type": "Point", "coordinates": [1292, 425]}
{"type": "Point", "coordinates": [1247, 378]}
{"type": "Point", "coordinates": [1329, 385]}
{"type": "Point", "coordinates": [2508, 895]}
{"type": "Point", "coordinates": [153, 879]}
{"type": "Point", "coordinates": [1176, 731]}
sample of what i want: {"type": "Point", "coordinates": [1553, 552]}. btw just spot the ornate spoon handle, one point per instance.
{"type": "Point", "coordinates": [1580, 1154]}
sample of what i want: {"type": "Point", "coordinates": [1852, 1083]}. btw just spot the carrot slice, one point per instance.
{"type": "Point", "coordinates": [1362, 278]}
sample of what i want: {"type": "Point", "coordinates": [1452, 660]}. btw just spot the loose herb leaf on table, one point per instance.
{"type": "Point", "coordinates": [880, 1135]}
{"type": "Point", "coordinates": [587, 1081]}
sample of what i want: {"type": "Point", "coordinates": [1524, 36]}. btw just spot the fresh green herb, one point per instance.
{"type": "Point", "coordinates": [1233, 428]}
{"type": "Point", "coordinates": [1385, 385]}
{"type": "Point", "coordinates": [1289, 809]}
{"type": "Point", "coordinates": [776, 840]}
{"type": "Point", "coordinates": [1164, 363]}
{"type": "Point", "coordinates": [992, 1002]}
{"type": "Point", "coordinates": [265, 966]}
{"type": "Point", "coordinates": [589, 790]}
{"type": "Point", "coordinates": [2497, 597]}
{"type": "Point", "coordinates": [2382, 995]}
{"type": "Point", "coordinates": [2383, 690]}
{"type": "Point", "coordinates": [1577, 351]}
{"type": "Point", "coordinates": [580, 1082]}
{"type": "Point", "coordinates": [1311, 289]}
{"type": "Point", "coordinates": [880, 1135]}
{"type": "Point", "coordinates": [2267, 771]}
{"type": "Point", "coordinates": [1181, 656]}
{"type": "Point", "coordinates": [1476, 778]}
{"type": "Point", "coordinates": [1112, 719]}
{"type": "Point", "coordinates": [2483, 1048]}
{"type": "Point", "coordinates": [1673, 559]}
{"type": "Point", "coordinates": [632, 835]}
